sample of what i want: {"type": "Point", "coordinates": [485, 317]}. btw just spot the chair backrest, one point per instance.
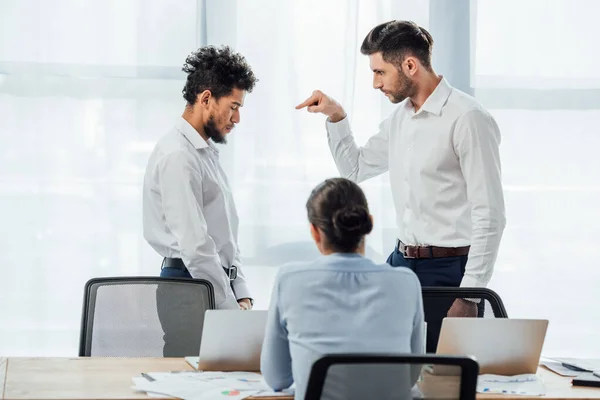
{"type": "Point", "coordinates": [144, 316]}
{"type": "Point", "coordinates": [372, 376]}
{"type": "Point", "coordinates": [491, 305]}
{"type": "Point", "coordinates": [438, 300]}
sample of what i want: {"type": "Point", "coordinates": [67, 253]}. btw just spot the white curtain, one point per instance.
{"type": "Point", "coordinates": [538, 73]}
{"type": "Point", "coordinates": [279, 154]}
{"type": "Point", "coordinates": [86, 89]}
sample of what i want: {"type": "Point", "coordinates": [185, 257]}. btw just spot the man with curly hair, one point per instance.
{"type": "Point", "coordinates": [189, 215]}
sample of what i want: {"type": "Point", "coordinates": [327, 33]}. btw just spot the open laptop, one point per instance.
{"type": "Point", "coordinates": [501, 346]}
{"type": "Point", "coordinates": [231, 341]}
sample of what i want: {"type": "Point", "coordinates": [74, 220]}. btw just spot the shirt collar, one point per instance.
{"type": "Point", "coordinates": [193, 136]}
{"type": "Point", "coordinates": [437, 99]}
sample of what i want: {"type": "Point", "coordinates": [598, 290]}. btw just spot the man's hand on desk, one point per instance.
{"type": "Point", "coordinates": [462, 308]}
{"type": "Point", "coordinates": [245, 304]}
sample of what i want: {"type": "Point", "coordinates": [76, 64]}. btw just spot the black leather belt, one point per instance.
{"type": "Point", "coordinates": [177, 263]}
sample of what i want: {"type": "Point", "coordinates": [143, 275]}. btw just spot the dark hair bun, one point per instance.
{"type": "Point", "coordinates": [352, 220]}
{"type": "Point", "coordinates": [339, 208]}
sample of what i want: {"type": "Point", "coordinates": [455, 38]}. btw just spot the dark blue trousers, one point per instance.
{"type": "Point", "coordinates": [174, 273]}
{"type": "Point", "coordinates": [446, 271]}
{"type": "Point", "coordinates": [181, 334]}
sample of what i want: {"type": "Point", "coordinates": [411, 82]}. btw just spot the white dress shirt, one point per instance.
{"type": "Point", "coordinates": [189, 211]}
{"type": "Point", "coordinates": [445, 176]}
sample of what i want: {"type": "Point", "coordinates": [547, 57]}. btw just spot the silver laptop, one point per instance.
{"type": "Point", "coordinates": [501, 346]}
{"type": "Point", "coordinates": [231, 340]}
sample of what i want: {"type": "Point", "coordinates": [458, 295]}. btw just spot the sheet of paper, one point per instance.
{"type": "Point", "coordinates": [236, 380]}
{"type": "Point", "coordinates": [525, 384]}
{"type": "Point", "coordinates": [558, 368]}
{"type": "Point", "coordinates": [588, 364]}
{"type": "Point", "coordinates": [193, 361]}
{"type": "Point", "coordinates": [141, 381]}
{"type": "Point", "coordinates": [190, 390]}
{"type": "Point", "coordinates": [270, 393]}
{"type": "Point", "coordinates": [138, 382]}
{"type": "Point", "coordinates": [192, 385]}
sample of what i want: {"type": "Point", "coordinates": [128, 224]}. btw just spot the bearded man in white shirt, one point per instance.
{"type": "Point", "coordinates": [440, 147]}
{"type": "Point", "coordinates": [189, 215]}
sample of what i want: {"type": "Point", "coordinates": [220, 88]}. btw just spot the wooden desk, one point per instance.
{"type": "Point", "coordinates": [3, 365]}
{"type": "Point", "coordinates": [557, 388]}
{"type": "Point", "coordinates": [110, 378]}
{"type": "Point", "coordinates": [84, 378]}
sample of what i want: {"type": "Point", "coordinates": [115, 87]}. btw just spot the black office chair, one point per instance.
{"type": "Point", "coordinates": [438, 300]}
{"type": "Point", "coordinates": [372, 376]}
{"type": "Point", "coordinates": [144, 316]}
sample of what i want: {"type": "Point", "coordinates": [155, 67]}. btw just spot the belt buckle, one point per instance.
{"type": "Point", "coordinates": [232, 272]}
{"type": "Point", "coordinates": [415, 252]}
{"type": "Point", "coordinates": [404, 249]}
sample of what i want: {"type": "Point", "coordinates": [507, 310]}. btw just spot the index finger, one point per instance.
{"type": "Point", "coordinates": [311, 100]}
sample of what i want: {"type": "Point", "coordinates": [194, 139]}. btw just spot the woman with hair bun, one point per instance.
{"type": "Point", "coordinates": [342, 302]}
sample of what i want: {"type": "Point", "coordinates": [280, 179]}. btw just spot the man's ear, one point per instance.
{"type": "Point", "coordinates": [204, 98]}
{"type": "Point", "coordinates": [411, 65]}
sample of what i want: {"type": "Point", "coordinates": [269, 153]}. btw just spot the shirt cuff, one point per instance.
{"type": "Point", "coordinates": [338, 130]}
{"type": "Point", "coordinates": [471, 281]}
{"type": "Point", "coordinates": [241, 290]}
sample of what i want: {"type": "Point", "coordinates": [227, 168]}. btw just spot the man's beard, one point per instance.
{"type": "Point", "coordinates": [407, 88]}
{"type": "Point", "coordinates": [211, 130]}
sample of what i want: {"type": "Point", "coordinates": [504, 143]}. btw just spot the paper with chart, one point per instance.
{"type": "Point", "coordinates": [202, 385]}
{"type": "Point", "coordinates": [525, 384]}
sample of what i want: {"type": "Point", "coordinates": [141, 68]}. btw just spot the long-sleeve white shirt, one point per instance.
{"type": "Point", "coordinates": [189, 213]}
{"type": "Point", "coordinates": [445, 174]}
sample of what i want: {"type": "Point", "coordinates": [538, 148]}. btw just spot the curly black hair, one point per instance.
{"type": "Point", "coordinates": [219, 70]}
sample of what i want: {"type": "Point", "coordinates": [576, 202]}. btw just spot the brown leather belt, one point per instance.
{"type": "Point", "coordinates": [430, 251]}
